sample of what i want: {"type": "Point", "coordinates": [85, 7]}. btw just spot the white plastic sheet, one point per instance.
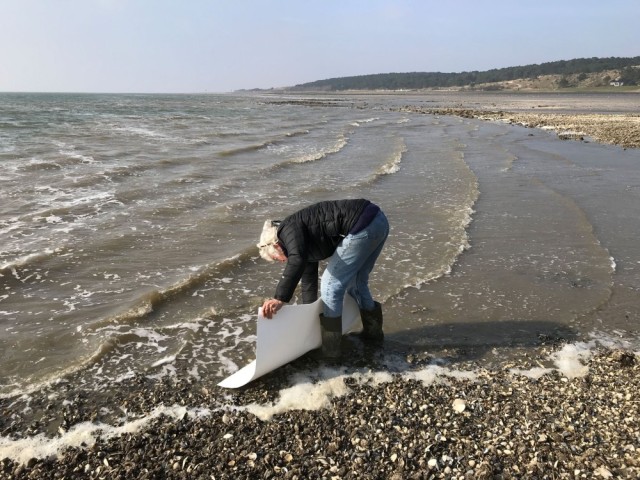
{"type": "Point", "coordinates": [292, 332]}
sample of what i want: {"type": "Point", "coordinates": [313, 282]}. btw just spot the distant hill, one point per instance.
{"type": "Point", "coordinates": [592, 72]}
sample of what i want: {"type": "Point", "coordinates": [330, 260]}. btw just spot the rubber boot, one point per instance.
{"type": "Point", "coordinates": [331, 329]}
{"type": "Point", "coordinates": [372, 324]}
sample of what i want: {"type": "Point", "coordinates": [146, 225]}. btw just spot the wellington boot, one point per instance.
{"type": "Point", "coordinates": [372, 324]}
{"type": "Point", "coordinates": [331, 329]}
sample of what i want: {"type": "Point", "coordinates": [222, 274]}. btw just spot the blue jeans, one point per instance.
{"type": "Point", "coordinates": [349, 267]}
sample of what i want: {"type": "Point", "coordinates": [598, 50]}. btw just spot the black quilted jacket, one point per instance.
{"type": "Point", "coordinates": [310, 235]}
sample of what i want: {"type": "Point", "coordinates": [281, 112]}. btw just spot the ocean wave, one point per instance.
{"type": "Point", "coordinates": [141, 131]}
{"type": "Point", "coordinates": [10, 225]}
{"type": "Point", "coordinates": [393, 165]}
{"type": "Point", "coordinates": [358, 123]}
{"type": "Point", "coordinates": [340, 143]}
{"type": "Point", "coordinates": [72, 154]}
{"type": "Point", "coordinates": [458, 215]}
{"type": "Point", "coordinates": [296, 133]}
{"type": "Point", "coordinates": [62, 203]}
{"type": "Point", "coordinates": [148, 302]}
{"type": "Point", "coordinates": [368, 120]}
{"type": "Point", "coordinates": [28, 260]}
{"type": "Point", "coordinates": [36, 164]}
{"type": "Point", "coordinates": [276, 140]}
{"type": "Point", "coordinates": [247, 148]}
{"type": "Point", "coordinates": [155, 135]}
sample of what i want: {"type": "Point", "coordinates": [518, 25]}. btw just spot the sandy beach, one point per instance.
{"type": "Point", "coordinates": [560, 412]}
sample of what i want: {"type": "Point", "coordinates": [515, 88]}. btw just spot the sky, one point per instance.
{"type": "Point", "coordinates": [196, 46]}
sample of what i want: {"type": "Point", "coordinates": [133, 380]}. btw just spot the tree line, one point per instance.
{"type": "Point", "coordinates": [630, 76]}
{"type": "Point", "coordinates": [417, 80]}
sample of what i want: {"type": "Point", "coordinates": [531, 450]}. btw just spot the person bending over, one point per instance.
{"type": "Point", "coordinates": [351, 234]}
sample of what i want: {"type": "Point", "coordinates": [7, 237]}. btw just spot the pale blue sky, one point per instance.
{"type": "Point", "coordinates": [225, 45]}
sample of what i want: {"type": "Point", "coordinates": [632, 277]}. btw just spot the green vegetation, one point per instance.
{"type": "Point", "coordinates": [630, 76]}
{"type": "Point", "coordinates": [580, 67]}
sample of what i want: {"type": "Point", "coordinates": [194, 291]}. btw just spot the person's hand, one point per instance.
{"type": "Point", "coordinates": [270, 307]}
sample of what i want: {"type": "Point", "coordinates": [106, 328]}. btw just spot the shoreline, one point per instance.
{"type": "Point", "coordinates": [603, 117]}
{"type": "Point", "coordinates": [433, 421]}
{"type": "Point", "coordinates": [555, 405]}
{"type": "Point", "coordinates": [612, 129]}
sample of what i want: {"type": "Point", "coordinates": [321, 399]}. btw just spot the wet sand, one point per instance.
{"type": "Point", "coordinates": [609, 118]}
{"type": "Point", "coordinates": [606, 118]}
{"type": "Point", "coordinates": [493, 423]}
{"type": "Point", "coordinates": [622, 129]}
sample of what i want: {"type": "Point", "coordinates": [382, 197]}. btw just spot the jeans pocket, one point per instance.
{"type": "Point", "coordinates": [354, 241]}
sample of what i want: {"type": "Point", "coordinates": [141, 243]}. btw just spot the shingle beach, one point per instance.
{"type": "Point", "coordinates": [438, 422]}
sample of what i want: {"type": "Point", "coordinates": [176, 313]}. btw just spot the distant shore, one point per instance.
{"type": "Point", "coordinates": [608, 117]}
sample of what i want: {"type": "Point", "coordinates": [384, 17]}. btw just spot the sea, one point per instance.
{"type": "Point", "coordinates": [129, 223]}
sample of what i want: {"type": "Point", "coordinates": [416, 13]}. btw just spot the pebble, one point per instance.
{"type": "Point", "coordinates": [512, 427]}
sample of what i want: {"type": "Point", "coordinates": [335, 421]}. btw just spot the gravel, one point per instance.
{"type": "Point", "coordinates": [496, 423]}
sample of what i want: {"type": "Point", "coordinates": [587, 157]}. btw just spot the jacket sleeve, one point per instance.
{"type": "Point", "coordinates": [289, 280]}
{"type": "Point", "coordinates": [309, 283]}
{"type": "Point", "coordinates": [295, 244]}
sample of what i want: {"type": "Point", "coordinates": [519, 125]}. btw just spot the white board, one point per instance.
{"type": "Point", "coordinates": [292, 332]}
